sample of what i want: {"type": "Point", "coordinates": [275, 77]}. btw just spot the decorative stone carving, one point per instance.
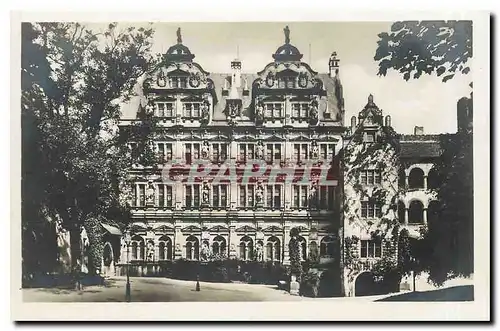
{"type": "Point", "coordinates": [161, 81]}
{"type": "Point", "coordinates": [206, 194]}
{"type": "Point", "coordinates": [315, 150]}
{"type": "Point", "coordinates": [205, 111]}
{"type": "Point", "coordinates": [259, 112]}
{"type": "Point", "coordinates": [194, 80]}
{"type": "Point", "coordinates": [259, 150]}
{"type": "Point", "coordinates": [303, 79]}
{"type": "Point", "coordinates": [205, 150]}
{"type": "Point", "coordinates": [259, 193]}
{"type": "Point", "coordinates": [270, 80]}
{"type": "Point", "coordinates": [150, 107]}
{"type": "Point", "coordinates": [313, 111]}
{"type": "Point", "coordinates": [150, 251]}
{"type": "Point", "coordinates": [260, 251]}
{"type": "Point", "coordinates": [150, 193]}
{"type": "Point", "coordinates": [205, 251]}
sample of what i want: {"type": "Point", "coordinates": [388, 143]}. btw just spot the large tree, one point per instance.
{"type": "Point", "coordinates": [73, 161]}
{"type": "Point", "coordinates": [444, 48]}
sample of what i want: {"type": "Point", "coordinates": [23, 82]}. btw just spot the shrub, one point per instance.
{"type": "Point", "coordinates": [310, 284]}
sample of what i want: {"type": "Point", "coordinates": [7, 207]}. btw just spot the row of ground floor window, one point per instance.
{"type": "Point", "coordinates": [243, 247]}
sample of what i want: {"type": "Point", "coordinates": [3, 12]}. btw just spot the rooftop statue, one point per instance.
{"type": "Point", "coordinates": [286, 30]}
{"type": "Point", "coordinates": [179, 36]}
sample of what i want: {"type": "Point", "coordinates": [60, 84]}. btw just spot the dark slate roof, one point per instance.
{"type": "Point", "coordinates": [420, 146]}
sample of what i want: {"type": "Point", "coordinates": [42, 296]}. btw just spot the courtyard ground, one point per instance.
{"type": "Point", "coordinates": [172, 290]}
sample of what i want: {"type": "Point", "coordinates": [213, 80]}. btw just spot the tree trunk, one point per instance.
{"type": "Point", "coordinates": [75, 248]}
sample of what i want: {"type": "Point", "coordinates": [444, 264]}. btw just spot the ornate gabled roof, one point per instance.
{"type": "Point", "coordinates": [179, 52]}
{"type": "Point", "coordinates": [287, 52]}
{"type": "Point", "coordinates": [371, 114]}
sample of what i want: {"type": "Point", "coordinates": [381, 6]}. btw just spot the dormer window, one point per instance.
{"type": "Point", "coordinates": [164, 109]}
{"type": "Point", "coordinates": [287, 82]}
{"type": "Point", "coordinates": [178, 82]}
{"type": "Point", "coordinates": [299, 110]}
{"type": "Point", "coordinates": [273, 111]}
{"type": "Point", "coordinates": [192, 109]}
{"type": "Point", "coordinates": [369, 137]}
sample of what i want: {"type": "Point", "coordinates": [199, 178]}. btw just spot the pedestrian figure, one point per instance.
{"type": "Point", "coordinates": [197, 283]}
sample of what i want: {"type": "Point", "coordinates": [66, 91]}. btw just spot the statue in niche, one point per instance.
{"type": "Point", "coordinates": [205, 111]}
{"type": "Point", "coordinates": [259, 193]}
{"type": "Point", "coordinates": [259, 112]}
{"type": "Point", "coordinates": [313, 111]}
{"type": "Point", "coordinates": [150, 251]}
{"type": "Point", "coordinates": [315, 150]}
{"type": "Point", "coordinates": [205, 149]}
{"type": "Point", "coordinates": [260, 251]}
{"type": "Point", "coordinates": [205, 251]}
{"type": "Point", "coordinates": [233, 109]}
{"type": "Point", "coordinates": [313, 195]}
{"type": "Point", "coordinates": [150, 193]}
{"type": "Point", "coordinates": [206, 194]}
{"type": "Point", "coordinates": [259, 150]}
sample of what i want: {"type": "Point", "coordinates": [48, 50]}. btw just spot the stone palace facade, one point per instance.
{"type": "Point", "coordinates": [286, 122]}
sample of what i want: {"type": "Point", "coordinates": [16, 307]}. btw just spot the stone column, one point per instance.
{"type": "Point", "coordinates": [424, 216]}
{"type": "Point", "coordinates": [233, 241]}
{"type": "Point", "coordinates": [407, 213]}
{"type": "Point", "coordinates": [287, 109]}
{"type": "Point", "coordinates": [178, 243]}
{"type": "Point", "coordinates": [425, 182]}
{"type": "Point", "coordinates": [233, 150]}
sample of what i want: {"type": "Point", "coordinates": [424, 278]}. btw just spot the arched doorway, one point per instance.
{"type": "Point", "coordinates": [365, 285]}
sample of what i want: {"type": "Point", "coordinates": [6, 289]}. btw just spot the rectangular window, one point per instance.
{"type": "Point", "coordinates": [247, 195]}
{"type": "Point", "coordinates": [369, 137]}
{"type": "Point", "coordinates": [370, 209]}
{"type": "Point", "coordinates": [273, 111]}
{"type": "Point", "coordinates": [192, 195]}
{"type": "Point", "coordinates": [290, 82]}
{"type": "Point", "coordinates": [246, 152]}
{"type": "Point", "coordinates": [219, 196]}
{"type": "Point", "coordinates": [299, 110]}
{"type": "Point", "coordinates": [183, 82]}
{"type": "Point", "coordinates": [164, 109]}
{"type": "Point", "coordinates": [370, 177]}
{"type": "Point", "coordinates": [327, 151]}
{"type": "Point", "coordinates": [371, 248]}
{"type": "Point", "coordinates": [164, 152]}
{"type": "Point", "coordinates": [301, 152]}
{"type": "Point", "coordinates": [161, 195]}
{"type": "Point", "coordinates": [273, 196]}
{"type": "Point", "coordinates": [192, 110]}
{"type": "Point", "coordinates": [300, 196]}
{"type": "Point", "coordinates": [142, 195]}
{"type": "Point", "coordinates": [326, 197]}
{"type": "Point", "coordinates": [175, 82]}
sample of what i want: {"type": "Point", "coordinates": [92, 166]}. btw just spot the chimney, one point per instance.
{"type": "Point", "coordinates": [419, 130]}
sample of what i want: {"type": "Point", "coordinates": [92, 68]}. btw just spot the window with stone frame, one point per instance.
{"type": "Point", "coordinates": [247, 195]}
{"type": "Point", "coordinates": [301, 152]}
{"type": "Point", "coordinates": [273, 196]}
{"type": "Point", "coordinates": [219, 152]}
{"type": "Point", "coordinates": [327, 152]}
{"type": "Point", "coordinates": [164, 152]}
{"type": "Point", "coordinates": [273, 110]}
{"type": "Point", "coordinates": [140, 195]}
{"type": "Point", "coordinates": [219, 196]}
{"type": "Point", "coordinates": [370, 209]}
{"type": "Point", "coordinates": [371, 248]}
{"type": "Point", "coordinates": [300, 110]}
{"type": "Point", "coordinates": [246, 152]}
{"type": "Point", "coordinates": [300, 196]}
{"type": "Point", "coordinates": [326, 197]}
{"type": "Point", "coordinates": [192, 195]}
{"type": "Point", "coordinates": [164, 195]}
{"type": "Point", "coordinates": [164, 109]}
{"type": "Point", "coordinates": [192, 109]}
{"type": "Point", "coordinates": [273, 152]}
{"type": "Point", "coordinates": [191, 152]}
{"type": "Point", "coordinates": [371, 177]}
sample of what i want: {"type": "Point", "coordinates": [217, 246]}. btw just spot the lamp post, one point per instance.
{"type": "Point", "coordinates": [413, 271]}
{"type": "Point", "coordinates": [127, 288]}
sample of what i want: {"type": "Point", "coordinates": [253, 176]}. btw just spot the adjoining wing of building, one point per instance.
{"type": "Point", "coordinates": [290, 120]}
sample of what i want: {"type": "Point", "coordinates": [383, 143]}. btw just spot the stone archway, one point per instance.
{"type": "Point", "coordinates": [365, 284]}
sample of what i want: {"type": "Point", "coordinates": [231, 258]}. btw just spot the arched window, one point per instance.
{"type": "Point", "coordinates": [416, 212]}
{"type": "Point", "coordinates": [142, 250]}
{"type": "Point", "coordinates": [137, 248]}
{"type": "Point", "coordinates": [327, 247]}
{"type": "Point", "coordinates": [433, 179]}
{"type": "Point", "coordinates": [165, 248]}
{"type": "Point", "coordinates": [401, 212]}
{"type": "Point", "coordinates": [107, 255]}
{"type": "Point", "coordinates": [219, 246]}
{"type": "Point", "coordinates": [273, 249]}
{"type": "Point", "coordinates": [192, 248]}
{"type": "Point", "coordinates": [246, 248]}
{"type": "Point", "coordinates": [416, 178]}
{"type": "Point", "coordinates": [134, 250]}
{"type": "Point", "coordinates": [313, 250]}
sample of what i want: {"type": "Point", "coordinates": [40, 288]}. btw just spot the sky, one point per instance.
{"type": "Point", "coordinates": [426, 102]}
